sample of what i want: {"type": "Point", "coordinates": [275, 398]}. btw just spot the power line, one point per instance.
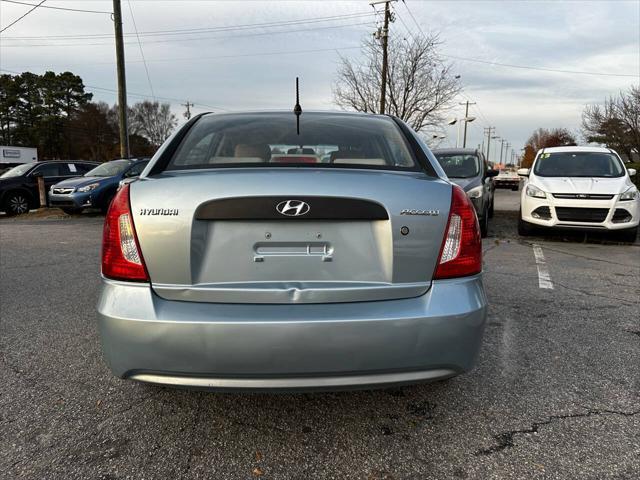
{"type": "Point", "coordinates": [300, 21]}
{"type": "Point", "coordinates": [193, 39]}
{"type": "Point", "coordinates": [144, 61]}
{"type": "Point", "coordinates": [544, 69]}
{"type": "Point", "coordinates": [21, 17]}
{"type": "Point", "coordinates": [57, 8]}
{"type": "Point", "coordinates": [215, 57]}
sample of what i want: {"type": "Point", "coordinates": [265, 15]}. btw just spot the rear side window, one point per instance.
{"type": "Point", "coordinates": [50, 170]}
{"type": "Point", "coordinates": [83, 167]}
{"type": "Point", "coordinates": [271, 140]}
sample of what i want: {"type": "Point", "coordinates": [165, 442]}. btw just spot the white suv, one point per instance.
{"type": "Point", "coordinates": [579, 187]}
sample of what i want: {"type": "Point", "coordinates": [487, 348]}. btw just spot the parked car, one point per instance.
{"type": "Point", "coordinates": [19, 185]}
{"type": "Point", "coordinates": [96, 188]}
{"type": "Point", "coordinates": [508, 178]}
{"type": "Point", "coordinates": [586, 188]}
{"type": "Point", "coordinates": [224, 269]}
{"type": "Point", "coordinates": [469, 168]}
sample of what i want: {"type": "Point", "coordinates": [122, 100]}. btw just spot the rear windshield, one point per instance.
{"type": "Point", "coordinates": [459, 165]}
{"type": "Point", "coordinates": [272, 140]}
{"type": "Point", "coordinates": [578, 164]}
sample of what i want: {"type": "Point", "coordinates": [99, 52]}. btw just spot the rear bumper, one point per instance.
{"type": "Point", "coordinates": [292, 347]}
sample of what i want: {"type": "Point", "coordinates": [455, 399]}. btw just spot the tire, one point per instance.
{"type": "Point", "coordinates": [484, 225]}
{"type": "Point", "coordinates": [490, 212]}
{"type": "Point", "coordinates": [71, 211]}
{"type": "Point", "coordinates": [628, 235]}
{"type": "Point", "coordinates": [16, 203]}
{"type": "Point", "coordinates": [525, 229]}
{"type": "Point", "coordinates": [514, 189]}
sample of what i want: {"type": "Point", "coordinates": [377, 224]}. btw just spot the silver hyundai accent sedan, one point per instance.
{"type": "Point", "coordinates": [257, 252]}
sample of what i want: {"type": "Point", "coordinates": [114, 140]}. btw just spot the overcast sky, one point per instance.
{"type": "Point", "coordinates": [254, 68]}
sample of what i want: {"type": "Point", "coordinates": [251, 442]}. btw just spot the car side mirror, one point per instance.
{"type": "Point", "coordinates": [493, 173]}
{"type": "Point", "coordinates": [632, 171]}
{"type": "Point", "coordinates": [523, 172]}
{"type": "Point", "coordinates": [36, 174]}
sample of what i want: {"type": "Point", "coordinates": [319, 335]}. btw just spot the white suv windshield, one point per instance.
{"type": "Point", "coordinates": [272, 140]}
{"type": "Point", "coordinates": [578, 164]}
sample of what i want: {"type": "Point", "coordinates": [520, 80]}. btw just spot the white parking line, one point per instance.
{"type": "Point", "coordinates": [544, 278]}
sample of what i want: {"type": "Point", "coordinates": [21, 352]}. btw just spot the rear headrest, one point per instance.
{"type": "Point", "coordinates": [360, 161]}
{"type": "Point", "coordinates": [261, 151]}
{"type": "Point", "coordinates": [345, 154]}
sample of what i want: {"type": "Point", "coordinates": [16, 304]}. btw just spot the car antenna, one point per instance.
{"type": "Point", "coordinates": [297, 109]}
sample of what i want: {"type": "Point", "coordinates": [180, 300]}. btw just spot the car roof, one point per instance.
{"type": "Point", "coordinates": [576, 149]}
{"type": "Point", "coordinates": [459, 151]}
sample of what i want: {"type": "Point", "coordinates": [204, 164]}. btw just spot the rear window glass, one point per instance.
{"type": "Point", "coordinates": [272, 140]}
{"type": "Point", "coordinates": [459, 165]}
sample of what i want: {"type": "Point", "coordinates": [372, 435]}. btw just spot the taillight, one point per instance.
{"type": "Point", "coordinates": [461, 251]}
{"type": "Point", "coordinates": [121, 255]}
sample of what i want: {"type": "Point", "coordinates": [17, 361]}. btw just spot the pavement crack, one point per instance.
{"type": "Point", "coordinates": [506, 440]}
{"type": "Point", "coordinates": [624, 301]}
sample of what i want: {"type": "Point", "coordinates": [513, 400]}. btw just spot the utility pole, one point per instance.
{"type": "Point", "coordinates": [384, 35]}
{"type": "Point", "coordinates": [502, 142]}
{"type": "Point", "coordinates": [489, 131]}
{"type": "Point", "coordinates": [187, 105]}
{"type": "Point", "coordinates": [506, 149]}
{"type": "Point", "coordinates": [466, 115]}
{"type": "Point", "coordinates": [122, 81]}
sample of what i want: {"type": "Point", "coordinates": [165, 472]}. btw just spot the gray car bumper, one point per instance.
{"type": "Point", "coordinates": [291, 347]}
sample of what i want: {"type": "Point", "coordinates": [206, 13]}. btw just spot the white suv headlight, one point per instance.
{"type": "Point", "coordinates": [533, 191]}
{"type": "Point", "coordinates": [475, 192]}
{"type": "Point", "coordinates": [630, 194]}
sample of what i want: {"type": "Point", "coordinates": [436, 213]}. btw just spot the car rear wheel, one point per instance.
{"type": "Point", "coordinates": [16, 203]}
{"type": "Point", "coordinates": [628, 235]}
{"type": "Point", "coordinates": [491, 209]}
{"type": "Point", "coordinates": [525, 228]}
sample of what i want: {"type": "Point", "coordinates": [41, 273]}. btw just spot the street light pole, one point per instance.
{"type": "Point", "coordinates": [466, 115]}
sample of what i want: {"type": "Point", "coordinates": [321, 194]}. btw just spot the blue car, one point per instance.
{"type": "Point", "coordinates": [96, 188]}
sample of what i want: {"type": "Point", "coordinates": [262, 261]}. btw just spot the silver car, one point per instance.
{"type": "Point", "coordinates": [254, 253]}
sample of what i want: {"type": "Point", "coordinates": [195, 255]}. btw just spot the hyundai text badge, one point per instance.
{"type": "Point", "coordinates": [293, 208]}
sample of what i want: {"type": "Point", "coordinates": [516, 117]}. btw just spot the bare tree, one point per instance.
{"type": "Point", "coordinates": [544, 138]}
{"type": "Point", "coordinates": [420, 85]}
{"type": "Point", "coordinates": [152, 120]}
{"type": "Point", "coordinates": [616, 123]}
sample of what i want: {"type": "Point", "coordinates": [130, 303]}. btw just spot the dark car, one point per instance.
{"type": "Point", "coordinates": [468, 168]}
{"type": "Point", "coordinates": [96, 188]}
{"type": "Point", "coordinates": [19, 185]}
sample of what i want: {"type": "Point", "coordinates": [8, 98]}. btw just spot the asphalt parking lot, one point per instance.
{"type": "Point", "coordinates": [556, 392]}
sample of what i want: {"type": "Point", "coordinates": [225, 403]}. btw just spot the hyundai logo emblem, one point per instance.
{"type": "Point", "coordinates": [293, 208]}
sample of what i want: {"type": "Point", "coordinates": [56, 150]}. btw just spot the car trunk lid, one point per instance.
{"type": "Point", "coordinates": [290, 235]}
